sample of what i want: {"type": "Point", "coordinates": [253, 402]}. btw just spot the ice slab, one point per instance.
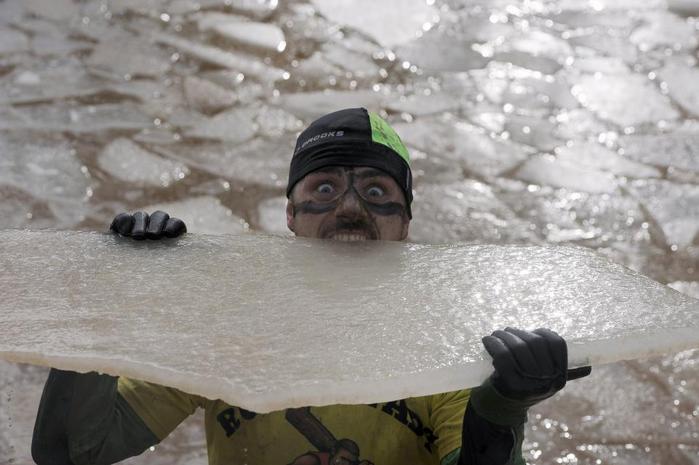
{"type": "Point", "coordinates": [465, 211]}
{"type": "Point", "coordinates": [674, 206]}
{"type": "Point", "coordinates": [626, 100]}
{"type": "Point", "coordinates": [390, 22]}
{"type": "Point", "coordinates": [441, 54]}
{"type": "Point", "coordinates": [672, 150]}
{"type": "Point", "coordinates": [206, 96]}
{"type": "Point", "coordinates": [255, 320]}
{"type": "Point", "coordinates": [258, 161]}
{"type": "Point", "coordinates": [128, 162]}
{"type": "Point", "coordinates": [681, 83]}
{"type": "Point", "coordinates": [595, 156]}
{"type": "Point", "coordinates": [247, 64]}
{"type": "Point", "coordinates": [203, 215]}
{"type": "Point", "coordinates": [49, 170]}
{"type": "Point", "coordinates": [235, 125]}
{"type": "Point", "coordinates": [312, 105]}
{"type": "Point", "coordinates": [560, 216]}
{"type": "Point", "coordinates": [271, 217]}
{"type": "Point", "coordinates": [464, 145]}
{"type": "Point", "coordinates": [547, 170]}
{"type": "Point", "coordinates": [58, 10]}
{"type": "Point", "coordinates": [75, 119]}
{"type": "Point", "coordinates": [664, 29]}
{"type": "Point", "coordinates": [135, 56]}
{"type": "Point", "coordinates": [12, 41]}
{"type": "Point", "coordinates": [265, 36]}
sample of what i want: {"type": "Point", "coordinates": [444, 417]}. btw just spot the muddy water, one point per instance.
{"type": "Point", "coordinates": [569, 122]}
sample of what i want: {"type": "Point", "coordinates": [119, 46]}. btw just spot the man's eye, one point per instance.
{"type": "Point", "coordinates": [325, 188]}
{"type": "Point", "coordinates": [375, 191]}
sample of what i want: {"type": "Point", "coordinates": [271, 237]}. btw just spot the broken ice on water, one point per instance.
{"type": "Point", "coordinates": [312, 105]}
{"type": "Point", "coordinates": [202, 215]}
{"type": "Point", "coordinates": [389, 22]}
{"type": "Point", "coordinates": [435, 53]}
{"type": "Point", "coordinates": [595, 156]}
{"type": "Point", "coordinates": [135, 56]}
{"type": "Point", "coordinates": [264, 36]}
{"type": "Point", "coordinates": [235, 125]}
{"type": "Point", "coordinates": [562, 216]}
{"type": "Point", "coordinates": [551, 171]}
{"type": "Point", "coordinates": [464, 145]}
{"type": "Point", "coordinates": [465, 211]}
{"type": "Point", "coordinates": [284, 328]}
{"type": "Point", "coordinates": [206, 96]}
{"type": "Point", "coordinates": [47, 170]}
{"type": "Point", "coordinates": [681, 81]}
{"type": "Point", "coordinates": [128, 162]}
{"type": "Point", "coordinates": [258, 161]}
{"type": "Point", "coordinates": [624, 100]}
{"type": "Point", "coordinates": [75, 118]}
{"type": "Point", "coordinates": [674, 206]}
{"type": "Point", "coordinates": [246, 64]}
{"type": "Point", "coordinates": [677, 150]}
{"type": "Point", "coordinates": [271, 217]}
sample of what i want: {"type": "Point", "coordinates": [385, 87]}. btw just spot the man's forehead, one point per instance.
{"type": "Point", "coordinates": [360, 171]}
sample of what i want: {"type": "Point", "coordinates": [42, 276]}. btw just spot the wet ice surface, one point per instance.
{"type": "Point", "coordinates": [591, 87]}
{"type": "Point", "coordinates": [110, 319]}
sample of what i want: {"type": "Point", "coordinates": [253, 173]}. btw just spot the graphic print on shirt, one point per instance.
{"type": "Point", "coordinates": [330, 451]}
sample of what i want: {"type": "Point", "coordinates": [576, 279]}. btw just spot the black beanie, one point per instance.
{"type": "Point", "coordinates": [352, 137]}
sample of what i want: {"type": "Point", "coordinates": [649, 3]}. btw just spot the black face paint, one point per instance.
{"type": "Point", "coordinates": [381, 209]}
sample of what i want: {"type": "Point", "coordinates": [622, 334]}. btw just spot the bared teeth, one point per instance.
{"type": "Point", "coordinates": [348, 237]}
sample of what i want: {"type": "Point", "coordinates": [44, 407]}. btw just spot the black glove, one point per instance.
{"type": "Point", "coordinates": [140, 226]}
{"type": "Point", "coordinates": [530, 366]}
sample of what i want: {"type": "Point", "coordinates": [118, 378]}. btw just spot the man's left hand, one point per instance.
{"type": "Point", "coordinates": [530, 366]}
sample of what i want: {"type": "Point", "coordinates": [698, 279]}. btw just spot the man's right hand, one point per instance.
{"type": "Point", "coordinates": [141, 226]}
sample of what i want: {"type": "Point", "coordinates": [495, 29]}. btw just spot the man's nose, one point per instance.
{"type": "Point", "coordinates": [350, 205]}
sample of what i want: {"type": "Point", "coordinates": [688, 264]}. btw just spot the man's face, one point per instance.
{"type": "Point", "coordinates": [349, 204]}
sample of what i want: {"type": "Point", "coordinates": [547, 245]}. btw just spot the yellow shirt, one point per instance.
{"type": "Point", "coordinates": [420, 430]}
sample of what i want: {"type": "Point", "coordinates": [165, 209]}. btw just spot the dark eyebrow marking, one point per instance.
{"type": "Point", "coordinates": [371, 173]}
{"type": "Point", "coordinates": [329, 170]}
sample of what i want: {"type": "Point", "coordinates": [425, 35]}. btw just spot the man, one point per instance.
{"type": "Point", "coordinates": [349, 180]}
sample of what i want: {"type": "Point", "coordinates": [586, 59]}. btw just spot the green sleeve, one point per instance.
{"type": "Point", "coordinates": [82, 419]}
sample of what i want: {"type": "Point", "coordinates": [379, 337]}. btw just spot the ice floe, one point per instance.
{"type": "Point", "coordinates": [311, 105]}
{"type": "Point", "coordinates": [75, 118]}
{"type": "Point", "coordinates": [259, 161]}
{"type": "Point", "coordinates": [288, 298]}
{"type": "Point", "coordinates": [664, 29]}
{"type": "Point", "coordinates": [206, 96]}
{"type": "Point", "coordinates": [549, 171]}
{"type": "Point", "coordinates": [134, 56]}
{"type": "Point", "coordinates": [436, 53]}
{"type": "Point", "coordinates": [202, 215]}
{"type": "Point", "coordinates": [12, 41]}
{"type": "Point", "coordinates": [128, 162]}
{"type": "Point", "coordinates": [464, 211]}
{"type": "Point", "coordinates": [265, 36]}
{"type": "Point", "coordinates": [49, 170]}
{"type": "Point", "coordinates": [235, 125]}
{"type": "Point", "coordinates": [464, 145]}
{"type": "Point", "coordinates": [243, 63]}
{"type": "Point", "coordinates": [595, 156]}
{"type": "Point", "coordinates": [677, 149]}
{"type": "Point", "coordinates": [624, 100]}
{"type": "Point", "coordinates": [271, 216]}
{"type": "Point", "coordinates": [675, 207]}
{"type": "Point", "coordinates": [683, 86]}
{"type": "Point", "coordinates": [390, 22]}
